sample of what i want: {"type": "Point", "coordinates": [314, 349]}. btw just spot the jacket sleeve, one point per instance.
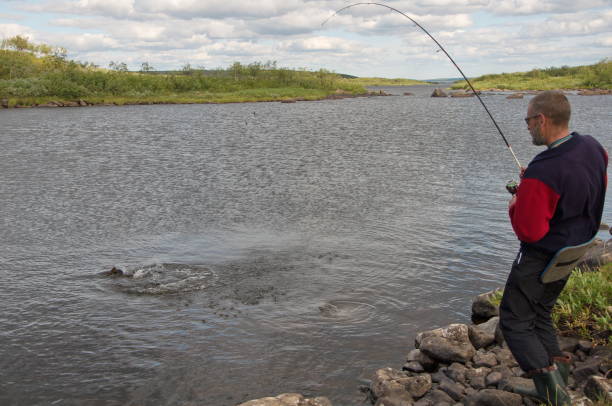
{"type": "Point", "coordinates": [535, 206]}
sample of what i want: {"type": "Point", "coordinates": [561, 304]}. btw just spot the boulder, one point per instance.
{"type": "Point", "coordinates": [456, 372]}
{"type": "Point", "coordinates": [485, 359]}
{"type": "Point", "coordinates": [482, 307]}
{"type": "Point", "coordinates": [483, 335]}
{"type": "Point", "coordinates": [462, 94]}
{"type": "Point", "coordinates": [4, 103]}
{"type": "Point", "coordinates": [288, 399]}
{"type": "Point", "coordinates": [584, 370]}
{"type": "Point", "coordinates": [438, 93]}
{"type": "Point", "coordinates": [505, 357]}
{"type": "Point", "coordinates": [388, 382]}
{"type": "Point", "coordinates": [426, 362]}
{"type": "Point", "coordinates": [476, 377]}
{"type": "Point", "coordinates": [493, 379]}
{"type": "Point", "coordinates": [447, 344]}
{"type": "Point", "coordinates": [399, 399]}
{"type": "Point", "coordinates": [494, 397]}
{"type": "Point", "coordinates": [453, 389]}
{"type": "Point", "coordinates": [83, 103]}
{"type": "Point", "coordinates": [419, 385]}
{"type": "Point", "coordinates": [598, 387]}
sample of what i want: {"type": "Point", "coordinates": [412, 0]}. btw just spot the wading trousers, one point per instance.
{"type": "Point", "coordinates": [525, 311]}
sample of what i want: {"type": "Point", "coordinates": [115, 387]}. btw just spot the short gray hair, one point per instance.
{"type": "Point", "coordinates": [554, 105]}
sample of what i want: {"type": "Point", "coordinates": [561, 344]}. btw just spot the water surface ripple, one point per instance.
{"type": "Point", "coordinates": [268, 247]}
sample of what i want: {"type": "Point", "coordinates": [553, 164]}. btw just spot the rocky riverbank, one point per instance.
{"type": "Point", "coordinates": [471, 365]}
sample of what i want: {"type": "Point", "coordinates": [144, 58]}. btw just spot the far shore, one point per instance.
{"type": "Point", "coordinates": [256, 95]}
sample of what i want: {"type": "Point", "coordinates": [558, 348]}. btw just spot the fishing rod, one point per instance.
{"type": "Point", "coordinates": [449, 57]}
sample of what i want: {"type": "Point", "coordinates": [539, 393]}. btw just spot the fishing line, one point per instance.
{"type": "Point", "coordinates": [449, 57]}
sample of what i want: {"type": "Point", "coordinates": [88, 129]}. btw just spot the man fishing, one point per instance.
{"type": "Point", "coordinates": [558, 204]}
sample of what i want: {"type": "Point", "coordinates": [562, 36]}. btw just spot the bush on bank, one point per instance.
{"type": "Point", "coordinates": [40, 72]}
{"type": "Point", "coordinates": [598, 75]}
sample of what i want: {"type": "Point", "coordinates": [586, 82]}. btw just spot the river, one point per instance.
{"type": "Point", "coordinates": [269, 247]}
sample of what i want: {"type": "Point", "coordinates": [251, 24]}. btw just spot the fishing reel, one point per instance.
{"type": "Point", "coordinates": [512, 187]}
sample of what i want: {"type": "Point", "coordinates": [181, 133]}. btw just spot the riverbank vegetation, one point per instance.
{"type": "Point", "coordinates": [38, 73]}
{"type": "Point", "coordinates": [595, 76]}
{"type": "Point", "coordinates": [584, 306]}
{"type": "Point", "coordinates": [384, 82]}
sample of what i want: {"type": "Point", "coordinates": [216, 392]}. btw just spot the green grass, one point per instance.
{"type": "Point", "coordinates": [240, 96]}
{"type": "Point", "coordinates": [584, 305]}
{"type": "Point", "coordinates": [598, 75]}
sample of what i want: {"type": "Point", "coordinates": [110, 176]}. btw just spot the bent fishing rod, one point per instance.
{"type": "Point", "coordinates": [449, 57]}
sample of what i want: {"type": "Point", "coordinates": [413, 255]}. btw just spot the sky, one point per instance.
{"type": "Point", "coordinates": [483, 36]}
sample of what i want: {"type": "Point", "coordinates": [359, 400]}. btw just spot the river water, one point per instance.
{"type": "Point", "coordinates": [269, 247]}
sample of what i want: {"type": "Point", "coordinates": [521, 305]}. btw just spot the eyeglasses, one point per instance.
{"type": "Point", "coordinates": [530, 117]}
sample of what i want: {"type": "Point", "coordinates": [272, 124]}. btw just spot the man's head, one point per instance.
{"type": "Point", "coordinates": [548, 117]}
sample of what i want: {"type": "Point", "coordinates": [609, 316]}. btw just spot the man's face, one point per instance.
{"type": "Point", "coordinates": [533, 125]}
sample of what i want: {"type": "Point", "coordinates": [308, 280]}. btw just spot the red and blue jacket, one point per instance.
{"type": "Point", "coordinates": [561, 196]}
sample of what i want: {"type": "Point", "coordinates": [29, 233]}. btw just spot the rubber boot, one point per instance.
{"type": "Point", "coordinates": [563, 364]}
{"type": "Point", "coordinates": [550, 388]}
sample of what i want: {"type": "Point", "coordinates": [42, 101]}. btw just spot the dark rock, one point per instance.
{"type": "Point", "coordinates": [456, 372]}
{"type": "Point", "coordinates": [485, 359]}
{"type": "Point", "coordinates": [585, 346]}
{"type": "Point", "coordinates": [114, 272]}
{"type": "Point", "coordinates": [438, 93]}
{"type": "Point", "coordinates": [439, 376]}
{"type": "Point", "coordinates": [440, 397]}
{"type": "Point", "coordinates": [408, 94]}
{"type": "Point", "coordinates": [462, 94]}
{"type": "Point", "coordinates": [419, 385]}
{"type": "Point", "coordinates": [598, 388]}
{"type": "Point", "coordinates": [4, 103]}
{"type": "Point", "coordinates": [288, 101]}
{"type": "Point", "coordinates": [584, 370]}
{"type": "Point", "coordinates": [452, 389]}
{"type": "Point", "coordinates": [482, 308]}
{"type": "Point", "coordinates": [505, 357]}
{"type": "Point", "coordinates": [476, 377]}
{"type": "Point", "coordinates": [494, 397]}
{"type": "Point", "coordinates": [580, 355]}
{"type": "Point", "coordinates": [396, 399]}
{"type": "Point", "coordinates": [493, 379]}
{"type": "Point", "coordinates": [510, 384]}
{"type": "Point", "coordinates": [515, 96]}
{"type": "Point", "coordinates": [418, 356]}
{"type": "Point", "coordinates": [482, 335]}
{"type": "Point", "coordinates": [413, 366]}
{"type": "Point", "coordinates": [448, 344]}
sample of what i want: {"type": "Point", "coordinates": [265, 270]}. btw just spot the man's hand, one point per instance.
{"type": "Point", "coordinates": [512, 202]}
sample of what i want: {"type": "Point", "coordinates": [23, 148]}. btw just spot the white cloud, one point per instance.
{"type": "Point", "coordinates": [585, 23]}
{"type": "Point", "coordinates": [525, 7]}
{"type": "Point", "coordinates": [320, 44]}
{"type": "Point", "coordinates": [11, 30]}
